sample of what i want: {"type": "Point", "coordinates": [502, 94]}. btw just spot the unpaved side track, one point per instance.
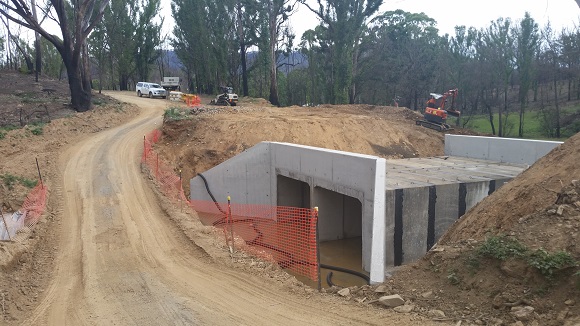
{"type": "Point", "coordinates": [121, 261]}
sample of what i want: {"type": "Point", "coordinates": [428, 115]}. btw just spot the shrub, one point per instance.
{"type": "Point", "coordinates": [549, 263]}
{"type": "Point", "coordinates": [500, 247]}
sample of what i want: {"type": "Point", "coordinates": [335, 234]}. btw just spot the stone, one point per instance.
{"type": "Point", "coordinates": [560, 210]}
{"type": "Point", "coordinates": [569, 302]}
{"type": "Point", "coordinates": [563, 314]}
{"type": "Point", "coordinates": [381, 289]}
{"type": "Point", "coordinates": [517, 323]}
{"type": "Point", "coordinates": [496, 322]}
{"type": "Point", "coordinates": [344, 292]}
{"type": "Point", "coordinates": [522, 313]}
{"type": "Point", "coordinates": [575, 183]}
{"type": "Point", "coordinates": [551, 211]}
{"type": "Point", "coordinates": [436, 313]}
{"type": "Point", "coordinates": [407, 308]}
{"type": "Point", "coordinates": [427, 294]}
{"type": "Point", "coordinates": [392, 301]}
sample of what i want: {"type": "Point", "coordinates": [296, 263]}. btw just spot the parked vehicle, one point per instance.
{"type": "Point", "coordinates": [170, 83]}
{"type": "Point", "coordinates": [150, 89]}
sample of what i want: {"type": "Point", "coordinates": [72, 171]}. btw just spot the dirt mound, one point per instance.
{"type": "Point", "coordinates": [518, 249]}
{"type": "Point", "coordinates": [195, 140]}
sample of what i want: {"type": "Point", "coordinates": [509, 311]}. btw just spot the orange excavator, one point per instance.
{"type": "Point", "coordinates": [435, 116]}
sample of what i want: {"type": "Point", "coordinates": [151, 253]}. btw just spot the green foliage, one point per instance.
{"type": "Point", "coordinates": [453, 277]}
{"type": "Point", "coordinates": [11, 180]}
{"type": "Point", "coordinates": [2, 134]}
{"type": "Point", "coordinates": [501, 247]}
{"type": "Point", "coordinates": [37, 129]}
{"type": "Point", "coordinates": [549, 263]}
{"type": "Point", "coordinates": [173, 113]}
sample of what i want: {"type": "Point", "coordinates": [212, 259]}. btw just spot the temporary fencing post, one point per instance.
{"type": "Point", "coordinates": [231, 220]}
{"type": "Point", "coordinates": [180, 199]}
{"type": "Point", "coordinates": [145, 149]}
{"type": "Point", "coordinates": [157, 168]}
{"type": "Point", "coordinates": [5, 225]}
{"type": "Point", "coordinates": [39, 175]}
{"type": "Point", "coordinates": [317, 249]}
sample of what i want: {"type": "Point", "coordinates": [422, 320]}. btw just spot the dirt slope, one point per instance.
{"type": "Point", "coordinates": [196, 140]}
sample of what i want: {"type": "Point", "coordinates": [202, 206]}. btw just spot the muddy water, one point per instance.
{"type": "Point", "coordinates": [346, 253]}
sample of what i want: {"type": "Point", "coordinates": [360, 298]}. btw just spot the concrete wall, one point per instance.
{"type": "Point", "coordinates": [251, 178]}
{"type": "Point", "coordinates": [510, 150]}
{"type": "Point", "coordinates": [417, 217]}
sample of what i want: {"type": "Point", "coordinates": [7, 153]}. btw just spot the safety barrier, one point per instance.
{"type": "Point", "coordinates": [175, 96]}
{"type": "Point", "coordinates": [191, 100]}
{"type": "Point", "coordinates": [18, 226]}
{"type": "Point", "coordinates": [285, 235]}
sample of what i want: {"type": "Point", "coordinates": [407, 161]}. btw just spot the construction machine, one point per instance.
{"type": "Point", "coordinates": [435, 116]}
{"type": "Point", "coordinates": [226, 98]}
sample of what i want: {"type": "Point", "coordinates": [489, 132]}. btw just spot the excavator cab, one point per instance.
{"type": "Point", "coordinates": [435, 116]}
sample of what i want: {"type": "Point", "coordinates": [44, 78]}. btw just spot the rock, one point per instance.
{"type": "Point", "coordinates": [496, 322]}
{"type": "Point", "coordinates": [569, 302]}
{"type": "Point", "coordinates": [407, 308]}
{"type": "Point", "coordinates": [577, 204]}
{"type": "Point", "coordinates": [381, 289]}
{"type": "Point", "coordinates": [575, 183]}
{"type": "Point", "coordinates": [563, 314]}
{"type": "Point", "coordinates": [344, 292]}
{"type": "Point", "coordinates": [436, 313]}
{"type": "Point", "coordinates": [427, 294]}
{"type": "Point", "coordinates": [551, 211]}
{"type": "Point", "coordinates": [560, 210]}
{"type": "Point", "coordinates": [517, 323]}
{"type": "Point", "coordinates": [392, 301]}
{"type": "Point", "coordinates": [522, 313]}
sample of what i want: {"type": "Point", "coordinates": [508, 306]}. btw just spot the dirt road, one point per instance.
{"type": "Point", "coordinates": [121, 261]}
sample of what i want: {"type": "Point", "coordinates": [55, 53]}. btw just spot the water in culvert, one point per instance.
{"type": "Point", "coordinates": [345, 253]}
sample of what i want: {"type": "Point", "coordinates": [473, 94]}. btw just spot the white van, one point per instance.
{"type": "Point", "coordinates": [150, 89]}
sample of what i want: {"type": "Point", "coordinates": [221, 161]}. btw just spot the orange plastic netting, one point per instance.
{"type": "Point", "coordinates": [16, 226]}
{"type": "Point", "coordinates": [285, 235]}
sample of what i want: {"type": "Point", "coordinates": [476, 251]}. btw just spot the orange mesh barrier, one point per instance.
{"type": "Point", "coordinates": [17, 226]}
{"type": "Point", "coordinates": [285, 235]}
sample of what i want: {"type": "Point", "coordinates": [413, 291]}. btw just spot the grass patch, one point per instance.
{"type": "Point", "coordinates": [37, 129]}
{"type": "Point", "coordinates": [10, 180]}
{"type": "Point", "coordinates": [501, 248]}
{"type": "Point", "coordinates": [173, 113]}
{"type": "Point", "coordinates": [549, 263]}
{"type": "Point", "coordinates": [534, 127]}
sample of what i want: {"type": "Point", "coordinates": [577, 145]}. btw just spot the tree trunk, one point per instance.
{"type": "Point", "coordinates": [80, 97]}
{"type": "Point", "coordinates": [273, 98]}
{"type": "Point", "coordinates": [245, 91]}
{"type": "Point", "coordinates": [557, 117]}
{"type": "Point", "coordinates": [37, 50]}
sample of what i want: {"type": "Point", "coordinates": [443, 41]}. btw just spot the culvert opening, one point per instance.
{"type": "Point", "coordinates": [339, 227]}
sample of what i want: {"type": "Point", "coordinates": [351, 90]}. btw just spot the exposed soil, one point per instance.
{"type": "Point", "coordinates": [112, 251]}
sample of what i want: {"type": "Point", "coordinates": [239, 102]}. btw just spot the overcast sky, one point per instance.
{"type": "Point", "coordinates": [450, 13]}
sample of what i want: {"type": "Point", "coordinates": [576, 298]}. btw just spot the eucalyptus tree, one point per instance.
{"type": "Point", "coordinates": [314, 46]}
{"type": "Point", "coordinates": [406, 49]}
{"type": "Point", "coordinates": [527, 45]}
{"type": "Point", "coordinates": [462, 69]}
{"type": "Point", "coordinates": [570, 40]}
{"type": "Point", "coordinates": [276, 13]}
{"type": "Point", "coordinates": [75, 28]}
{"type": "Point", "coordinates": [147, 37]}
{"type": "Point", "coordinates": [500, 43]}
{"type": "Point", "coordinates": [345, 21]}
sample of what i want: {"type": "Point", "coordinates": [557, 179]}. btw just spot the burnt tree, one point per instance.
{"type": "Point", "coordinates": [76, 20]}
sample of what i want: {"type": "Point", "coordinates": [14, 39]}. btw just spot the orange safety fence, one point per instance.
{"type": "Point", "coordinates": [16, 227]}
{"type": "Point", "coordinates": [285, 235]}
